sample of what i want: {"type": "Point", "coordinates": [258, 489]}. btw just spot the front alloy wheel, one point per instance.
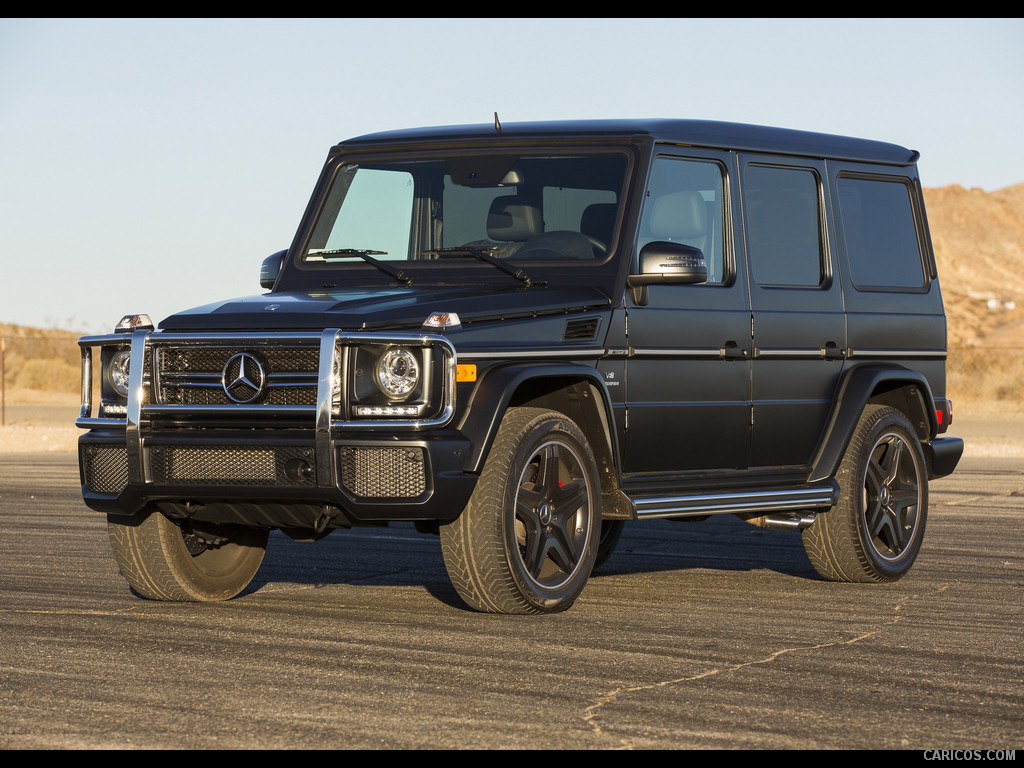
{"type": "Point", "coordinates": [527, 540]}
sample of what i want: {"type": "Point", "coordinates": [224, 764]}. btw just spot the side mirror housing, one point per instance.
{"type": "Point", "coordinates": [667, 263]}
{"type": "Point", "coordinates": [270, 269]}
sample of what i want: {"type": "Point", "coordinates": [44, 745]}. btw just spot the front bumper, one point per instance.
{"type": "Point", "coordinates": [282, 480]}
{"type": "Point", "coordinates": [272, 462]}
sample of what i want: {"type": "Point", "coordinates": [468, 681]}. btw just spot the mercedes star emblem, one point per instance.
{"type": "Point", "coordinates": [243, 378]}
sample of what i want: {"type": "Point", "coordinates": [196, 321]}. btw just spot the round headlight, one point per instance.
{"type": "Point", "coordinates": [398, 373]}
{"type": "Point", "coordinates": [119, 367]}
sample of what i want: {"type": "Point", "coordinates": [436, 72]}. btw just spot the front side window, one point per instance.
{"type": "Point", "coordinates": [683, 204]}
{"type": "Point", "coordinates": [783, 226]}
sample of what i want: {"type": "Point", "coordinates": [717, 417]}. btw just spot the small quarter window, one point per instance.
{"type": "Point", "coordinates": [881, 239]}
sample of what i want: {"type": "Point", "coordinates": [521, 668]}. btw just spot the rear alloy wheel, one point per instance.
{"type": "Point", "coordinates": [527, 540]}
{"type": "Point", "coordinates": [163, 559]}
{"type": "Point", "coordinates": [874, 533]}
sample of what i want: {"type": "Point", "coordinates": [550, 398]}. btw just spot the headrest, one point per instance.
{"type": "Point", "coordinates": [598, 220]}
{"type": "Point", "coordinates": [512, 219]}
{"type": "Point", "coordinates": [679, 216]}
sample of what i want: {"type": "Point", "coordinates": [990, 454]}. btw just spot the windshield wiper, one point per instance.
{"type": "Point", "coordinates": [484, 255]}
{"type": "Point", "coordinates": [367, 256]}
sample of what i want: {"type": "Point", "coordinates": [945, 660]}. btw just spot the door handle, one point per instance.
{"type": "Point", "coordinates": [831, 351]}
{"type": "Point", "coordinates": [732, 351]}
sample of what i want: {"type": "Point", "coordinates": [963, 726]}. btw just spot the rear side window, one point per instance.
{"type": "Point", "coordinates": [783, 225]}
{"type": "Point", "coordinates": [881, 237]}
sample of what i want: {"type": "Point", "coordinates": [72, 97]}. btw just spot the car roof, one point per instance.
{"type": "Point", "coordinates": [700, 133]}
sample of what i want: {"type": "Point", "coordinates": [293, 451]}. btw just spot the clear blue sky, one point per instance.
{"type": "Point", "coordinates": [149, 165]}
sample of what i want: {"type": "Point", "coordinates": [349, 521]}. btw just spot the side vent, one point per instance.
{"type": "Point", "coordinates": [581, 330]}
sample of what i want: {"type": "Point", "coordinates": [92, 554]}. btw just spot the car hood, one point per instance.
{"type": "Point", "coordinates": [384, 308]}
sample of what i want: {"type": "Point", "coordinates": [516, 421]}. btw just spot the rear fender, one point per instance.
{"type": "Point", "coordinates": [906, 390]}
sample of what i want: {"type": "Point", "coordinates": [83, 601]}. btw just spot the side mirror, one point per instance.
{"type": "Point", "coordinates": [270, 269]}
{"type": "Point", "coordinates": [666, 263]}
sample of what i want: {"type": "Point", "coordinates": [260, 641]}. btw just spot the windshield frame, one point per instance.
{"type": "Point", "coordinates": [343, 273]}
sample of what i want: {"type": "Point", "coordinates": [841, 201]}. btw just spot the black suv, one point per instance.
{"type": "Point", "coordinates": [521, 337]}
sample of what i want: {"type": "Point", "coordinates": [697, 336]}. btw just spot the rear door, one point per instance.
{"type": "Point", "coordinates": [799, 325]}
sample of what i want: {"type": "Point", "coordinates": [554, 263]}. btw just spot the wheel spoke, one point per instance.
{"type": "Point", "coordinates": [882, 524]}
{"type": "Point", "coordinates": [889, 531]}
{"type": "Point", "coordinates": [534, 551]}
{"type": "Point", "coordinates": [875, 476]}
{"type": "Point", "coordinates": [547, 473]}
{"type": "Point", "coordinates": [527, 502]}
{"type": "Point", "coordinates": [569, 498]}
{"type": "Point", "coordinates": [892, 459]}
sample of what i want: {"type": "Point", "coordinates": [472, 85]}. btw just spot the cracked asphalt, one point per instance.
{"type": "Point", "coordinates": [710, 635]}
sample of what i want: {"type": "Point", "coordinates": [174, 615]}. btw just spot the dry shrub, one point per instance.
{"type": "Point", "coordinates": [49, 375]}
{"type": "Point", "coordinates": [986, 379]}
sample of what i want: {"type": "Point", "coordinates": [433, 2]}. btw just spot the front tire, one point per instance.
{"type": "Point", "coordinates": [611, 532]}
{"type": "Point", "coordinates": [874, 533]}
{"type": "Point", "coordinates": [527, 540]}
{"type": "Point", "coordinates": [167, 560]}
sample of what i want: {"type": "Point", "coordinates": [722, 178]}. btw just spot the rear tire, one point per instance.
{"type": "Point", "coordinates": [874, 533]}
{"type": "Point", "coordinates": [527, 540]}
{"type": "Point", "coordinates": [166, 560]}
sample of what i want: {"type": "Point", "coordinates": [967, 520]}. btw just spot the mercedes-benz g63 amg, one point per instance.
{"type": "Point", "coordinates": [521, 337]}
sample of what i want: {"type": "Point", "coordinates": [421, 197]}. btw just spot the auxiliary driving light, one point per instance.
{"type": "Point", "coordinates": [133, 322]}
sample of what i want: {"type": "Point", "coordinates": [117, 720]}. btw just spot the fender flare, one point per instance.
{"type": "Point", "coordinates": [858, 386]}
{"type": "Point", "coordinates": [498, 385]}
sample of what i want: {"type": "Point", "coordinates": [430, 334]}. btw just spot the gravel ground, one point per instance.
{"type": "Point", "coordinates": [46, 428]}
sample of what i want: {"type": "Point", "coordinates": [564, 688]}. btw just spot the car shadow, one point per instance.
{"type": "Point", "coordinates": [398, 555]}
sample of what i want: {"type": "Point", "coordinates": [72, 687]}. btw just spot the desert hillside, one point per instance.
{"type": "Point", "coordinates": [979, 246]}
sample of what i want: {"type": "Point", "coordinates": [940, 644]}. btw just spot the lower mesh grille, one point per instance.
{"type": "Point", "coordinates": [105, 468]}
{"type": "Point", "coordinates": [265, 466]}
{"type": "Point", "coordinates": [378, 473]}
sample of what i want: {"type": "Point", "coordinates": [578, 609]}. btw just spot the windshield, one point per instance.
{"type": "Point", "coordinates": [485, 208]}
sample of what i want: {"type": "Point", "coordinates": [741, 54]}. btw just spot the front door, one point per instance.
{"type": "Point", "coordinates": [688, 367]}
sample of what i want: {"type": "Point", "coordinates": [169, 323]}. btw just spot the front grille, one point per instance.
{"type": "Point", "coordinates": [195, 375]}
{"type": "Point", "coordinates": [232, 466]}
{"type": "Point", "coordinates": [383, 473]}
{"type": "Point", "coordinates": [105, 468]}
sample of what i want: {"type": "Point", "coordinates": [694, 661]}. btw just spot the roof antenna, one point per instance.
{"type": "Point", "coordinates": [497, 125]}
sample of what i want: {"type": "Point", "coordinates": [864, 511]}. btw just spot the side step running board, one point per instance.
{"type": "Point", "coordinates": [763, 502]}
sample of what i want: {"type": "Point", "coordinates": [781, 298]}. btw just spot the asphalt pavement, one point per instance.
{"type": "Point", "coordinates": [709, 635]}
